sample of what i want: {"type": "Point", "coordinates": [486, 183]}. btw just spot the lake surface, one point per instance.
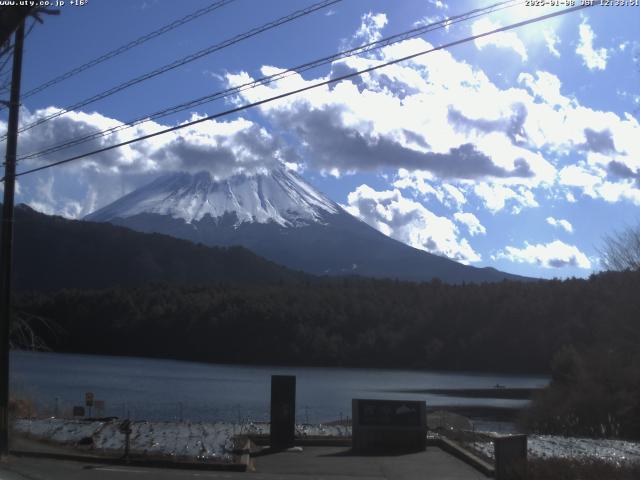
{"type": "Point", "coordinates": [154, 389]}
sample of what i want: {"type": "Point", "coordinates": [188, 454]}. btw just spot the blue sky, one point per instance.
{"type": "Point", "coordinates": [519, 152]}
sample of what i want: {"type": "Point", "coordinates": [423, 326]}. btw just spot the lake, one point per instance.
{"type": "Point", "coordinates": [154, 389]}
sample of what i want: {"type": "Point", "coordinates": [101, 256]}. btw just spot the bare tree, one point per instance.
{"type": "Point", "coordinates": [24, 331]}
{"type": "Point", "coordinates": [621, 250]}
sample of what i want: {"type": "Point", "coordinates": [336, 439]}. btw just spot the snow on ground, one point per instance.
{"type": "Point", "coordinates": [322, 430]}
{"type": "Point", "coordinates": [210, 441]}
{"type": "Point", "coordinates": [58, 431]}
{"type": "Point", "coordinates": [548, 446]}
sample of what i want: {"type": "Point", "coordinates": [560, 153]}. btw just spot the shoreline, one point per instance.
{"type": "Point", "coordinates": [311, 366]}
{"type": "Point", "coordinates": [480, 412]}
{"type": "Point", "coordinates": [493, 393]}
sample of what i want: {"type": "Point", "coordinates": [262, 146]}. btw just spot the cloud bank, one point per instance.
{"type": "Point", "coordinates": [411, 222]}
{"type": "Point", "coordinates": [73, 190]}
{"type": "Point", "coordinates": [593, 58]}
{"type": "Point", "coordinates": [555, 254]}
{"type": "Point", "coordinates": [439, 128]}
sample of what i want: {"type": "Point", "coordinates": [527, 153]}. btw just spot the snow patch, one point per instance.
{"type": "Point", "coordinates": [279, 196]}
{"type": "Point", "coordinates": [550, 446]}
{"type": "Point", "coordinates": [198, 440]}
{"type": "Point", "coordinates": [213, 441]}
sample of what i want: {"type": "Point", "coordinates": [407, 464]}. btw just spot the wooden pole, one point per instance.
{"type": "Point", "coordinates": [6, 247]}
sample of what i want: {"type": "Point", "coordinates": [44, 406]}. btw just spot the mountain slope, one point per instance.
{"type": "Point", "coordinates": [53, 253]}
{"type": "Point", "coordinates": [282, 218]}
{"type": "Point", "coordinates": [281, 197]}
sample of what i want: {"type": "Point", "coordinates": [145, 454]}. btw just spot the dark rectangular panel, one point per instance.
{"type": "Point", "coordinates": [283, 410]}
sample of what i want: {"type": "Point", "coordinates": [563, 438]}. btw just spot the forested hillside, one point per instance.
{"type": "Point", "coordinates": [53, 253]}
{"type": "Point", "coordinates": [508, 326]}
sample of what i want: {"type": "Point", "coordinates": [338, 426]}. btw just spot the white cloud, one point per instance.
{"type": "Point", "coordinates": [371, 27]}
{"type": "Point", "coordinates": [495, 197]}
{"type": "Point", "coordinates": [222, 148]}
{"type": "Point", "coordinates": [592, 179]}
{"type": "Point", "coordinates": [555, 254]}
{"type": "Point", "coordinates": [552, 41]}
{"type": "Point", "coordinates": [455, 195]}
{"type": "Point", "coordinates": [442, 122]}
{"type": "Point", "coordinates": [410, 222]}
{"type": "Point", "coordinates": [471, 222]}
{"type": "Point", "coordinates": [440, 7]}
{"type": "Point", "coordinates": [545, 86]}
{"type": "Point", "coordinates": [418, 181]}
{"type": "Point", "coordinates": [439, 4]}
{"type": "Point", "coordinates": [501, 40]}
{"type": "Point", "coordinates": [425, 184]}
{"type": "Point", "coordinates": [580, 176]}
{"type": "Point", "coordinates": [430, 115]}
{"type": "Point", "coordinates": [560, 223]}
{"type": "Point", "coordinates": [593, 59]}
{"type": "Point", "coordinates": [430, 20]}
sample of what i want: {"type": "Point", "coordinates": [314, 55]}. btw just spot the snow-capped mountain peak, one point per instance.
{"type": "Point", "coordinates": [280, 196]}
{"type": "Point", "coordinates": [259, 211]}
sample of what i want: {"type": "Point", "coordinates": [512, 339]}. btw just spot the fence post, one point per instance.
{"type": "Point", "coordinates": [125, 427]}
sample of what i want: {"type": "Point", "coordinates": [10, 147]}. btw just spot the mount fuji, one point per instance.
{"type": "Point", "coordinates": [279, 216]}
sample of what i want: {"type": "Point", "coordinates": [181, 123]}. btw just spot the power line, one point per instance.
{"type": "Point", "coordinates": [416, 32]}
{"type": "Point", "coordinates": [5, 63]}
{"type": "Point", "coordinates": [309, 87]}
{"type": "Point", "coordinates": [183, 61]}
{"type": "Point", "coordinates": [278, 76]}
{"type": "Point", "coordinates": [128, 46]}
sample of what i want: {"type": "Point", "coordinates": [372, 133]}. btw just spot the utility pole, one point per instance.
{"type": "Point", "coordinates": [6, 247]}
{"type": "Point", "coordinates": [11, 17]}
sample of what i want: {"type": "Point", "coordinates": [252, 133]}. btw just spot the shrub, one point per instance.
{"type": "Point", "coordinates": [21, 408]}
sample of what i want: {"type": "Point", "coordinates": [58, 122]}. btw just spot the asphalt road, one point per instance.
{"type": "Point", "coordinates": [41, 469]}
{"type": "Point", "coordinates": [332, 463]}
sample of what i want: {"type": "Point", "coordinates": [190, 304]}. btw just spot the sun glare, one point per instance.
{"type": "Point", "coordinates": [521, 11]}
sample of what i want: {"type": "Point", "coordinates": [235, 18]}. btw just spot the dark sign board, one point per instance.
{"type": "Point", "coordinates": [389, 413]}
{"type": "Point", "coordinates": [385, 426]}
{"type": "Point", "coordinates": [88, 399]}
{"type": "Point", "coordinates": [283, 410]}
